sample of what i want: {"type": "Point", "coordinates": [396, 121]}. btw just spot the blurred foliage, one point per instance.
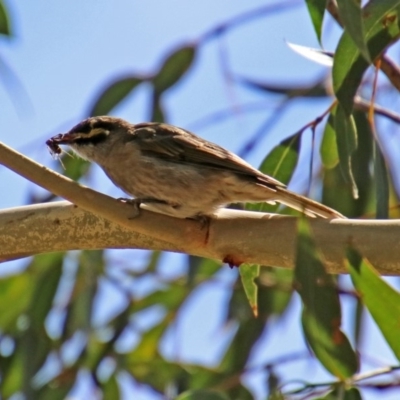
{"type": "Point", "coordinates": [171, 71]}
{"type": "Point", "coordinates": [321, 317]}
{"type": "Point", "coordinates": [385, 308]}
{"type": "Point", "coordinates": [316, 9]}
{"type": "Point", "coordinates": [4, 20]}
{"type": "Point", "coordinates": [49, 332]}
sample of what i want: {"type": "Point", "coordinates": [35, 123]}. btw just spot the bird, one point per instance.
{"type": "Point", "coordinates": [175, 172]}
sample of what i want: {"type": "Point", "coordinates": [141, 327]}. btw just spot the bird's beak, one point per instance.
{"type": "Point", "coordinates": [62, 138]}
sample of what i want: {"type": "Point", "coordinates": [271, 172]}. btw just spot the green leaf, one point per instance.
{"type": "Point", "coordinates": [381, 26]}
{"type": "Point", "coordinates": [147, 349]}
{"type": "Point", "coordinates": [275, 289]}
{"type": "Point", "coordinates": [280, 163]}
{"type": "Point", "coordinates": [358, 323]}
{"type": "Point", "coordinates": [248, 273]}
{"type": "Point", "coordinates": [381, 300]}
{"type": "Point", "coordinates": [50, 266]}
{"type": "Point", "coordinates": [274, 293]}
{"type": "Point", "coordinates": [382, 183]}
{"type": "Point", "coordinates": [12, 376]}
{"type": "Point", "coordinates": [95, 352]}
{"type": "Point", "coordinates": [346, 140]}
{"type": "Point", "coordinates": [4, 21]}
{"type": "Point", "coordinates": [330, 346]}
{"type": "Point", "coordinates": [170, 298]}
{"type": "Point", "coordinates": [59, 387]}
{"type": "Point", "coordinates": [50, 392]}
{"type": "Point", "coordinates": [321, 317]}
{"type": "Point", "coordinates": [201, 270]}
{"type": "Point", "coordinates": [157, 109]}
{"type": "Point", "coordinates": [114, 94]}
{"type": "Point", "coordinates": [352, 394]}
{"type": "Point", "coordinates": [361, 161]}
{"type": "Point", "coordinates": [79, 310]}
{"type": "Point", "coordinates": [315, 90]}
{"type": "Point", "coordinates": [337, 191]}
{"type": "Point", "coordinates": [202, 394]}
{"type": "Point", "coordinates": [111, 389]}
{"type": "Point", "coordinates": [173, 68]}
{"type": "Point", "coordinates": [16, 291]}
{"type": "Point", "coordinates": [157, 372]}
{"type": "Point", "coordinates": [35, 346]}
{"type": "Point", "coordinates": [315, 286]}
{"type": "Point", "coordinates": [316, 9]}
{"type": "Point", "coordinates": [351, 16]}
{"type": "Point", "coordinates": [329, 150]}
{"type": "Point", "coordinates": [249, 329]}
{"type": "Point", "coordinates": [74, 167]}
{"type": "Point", "coordinates": [342, 392]}
{"type": "Point", "coordinates": [153, 262]}
{"type": "Point", "coordinates": [274, 386]}
{"type": "Point", "coordinates": [282, 160]}
{"type": "Point", "coordinates": [34, 342]}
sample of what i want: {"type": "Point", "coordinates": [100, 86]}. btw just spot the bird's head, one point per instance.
{"type": "Point", "coordinates": [93, 138]}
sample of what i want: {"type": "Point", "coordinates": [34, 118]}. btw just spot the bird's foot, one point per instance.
{"type": "Point", "coordinates": [134, 202]}
{"type": "Point", "coordinates": [203, 219]}
{"type": "Point", "coordinates": [137, 201]}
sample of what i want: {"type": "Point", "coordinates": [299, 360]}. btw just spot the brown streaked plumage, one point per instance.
{"type": "Point", "coordinates": [174, 171]}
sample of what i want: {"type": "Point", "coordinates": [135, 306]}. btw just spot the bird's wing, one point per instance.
{"type": "Point", "coordinates": [178, 145]}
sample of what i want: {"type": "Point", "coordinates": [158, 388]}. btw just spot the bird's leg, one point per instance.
{"type": "Point", "coordinates": [137, 201]}
{"type": "Point", "coordinates": [204, 221]}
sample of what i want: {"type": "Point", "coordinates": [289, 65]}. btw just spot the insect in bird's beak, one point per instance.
{"type": "Point", "coordinates": [54, 148]}
{"type": "Point", "coordinates": [54, 142]}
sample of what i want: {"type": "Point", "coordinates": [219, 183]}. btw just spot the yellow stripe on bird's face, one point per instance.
{"type": "Point", "coordinates": [92, 133]}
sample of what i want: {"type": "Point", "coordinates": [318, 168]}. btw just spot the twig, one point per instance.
{"type": "Point", "coordinates": [363, 105]}
{"type": "Point", "coordinates": [374, 373]}
{"type": "Point", "coordinates": [265, 127]}
{"type": "Point", "coordinates": [246, 17]}
{"type": "Point", "coordinates": [371, 118]}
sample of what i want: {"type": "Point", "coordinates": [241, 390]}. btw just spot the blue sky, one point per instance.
{"type": "Point", "coordinates": [63, 55]}
{"type": "Point", "coordinates": [65, 52]}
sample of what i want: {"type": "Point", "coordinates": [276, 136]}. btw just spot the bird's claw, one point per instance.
{"type": "Point", "coordinates": [136, 202]}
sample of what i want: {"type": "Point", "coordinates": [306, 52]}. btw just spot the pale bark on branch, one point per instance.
{"type": "Point", "coordinates": [95, 220]}
{"type": "Point", "coordinates": [235, 236]}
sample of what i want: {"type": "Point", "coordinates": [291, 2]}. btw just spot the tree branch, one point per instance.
{"type": "Point", "coordinates": [99, 221]}
{"type": "Point", "coordinates": [233, 236]}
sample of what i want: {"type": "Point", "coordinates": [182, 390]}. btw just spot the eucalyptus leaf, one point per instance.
{"type": "Point", "coordinates": [351, 15]}
{"type": "Point", "coordinates": [248, 273]}
{"type": "Point", "coordinates": [174, 68]}
{"type": "Point", "coordinates": [381, 26]}
{"type": "Point", "coordinates": [346, 140]}
{"type": "Point", "coordinates": [4, 20]}
{"type": "Point", "coordinates": [381, 300]}
{"type": "Point", "coordinates": [316, 9]}
{"type": "Point", "coordinates": [382, 183]}
{"type": "Point", "coordinates": [321, 316]}
{"type": "Point", "coordinates": [114, 93]}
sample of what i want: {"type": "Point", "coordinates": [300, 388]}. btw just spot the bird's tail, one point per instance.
{"type": "Point", "coordinates": [305, 205]}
